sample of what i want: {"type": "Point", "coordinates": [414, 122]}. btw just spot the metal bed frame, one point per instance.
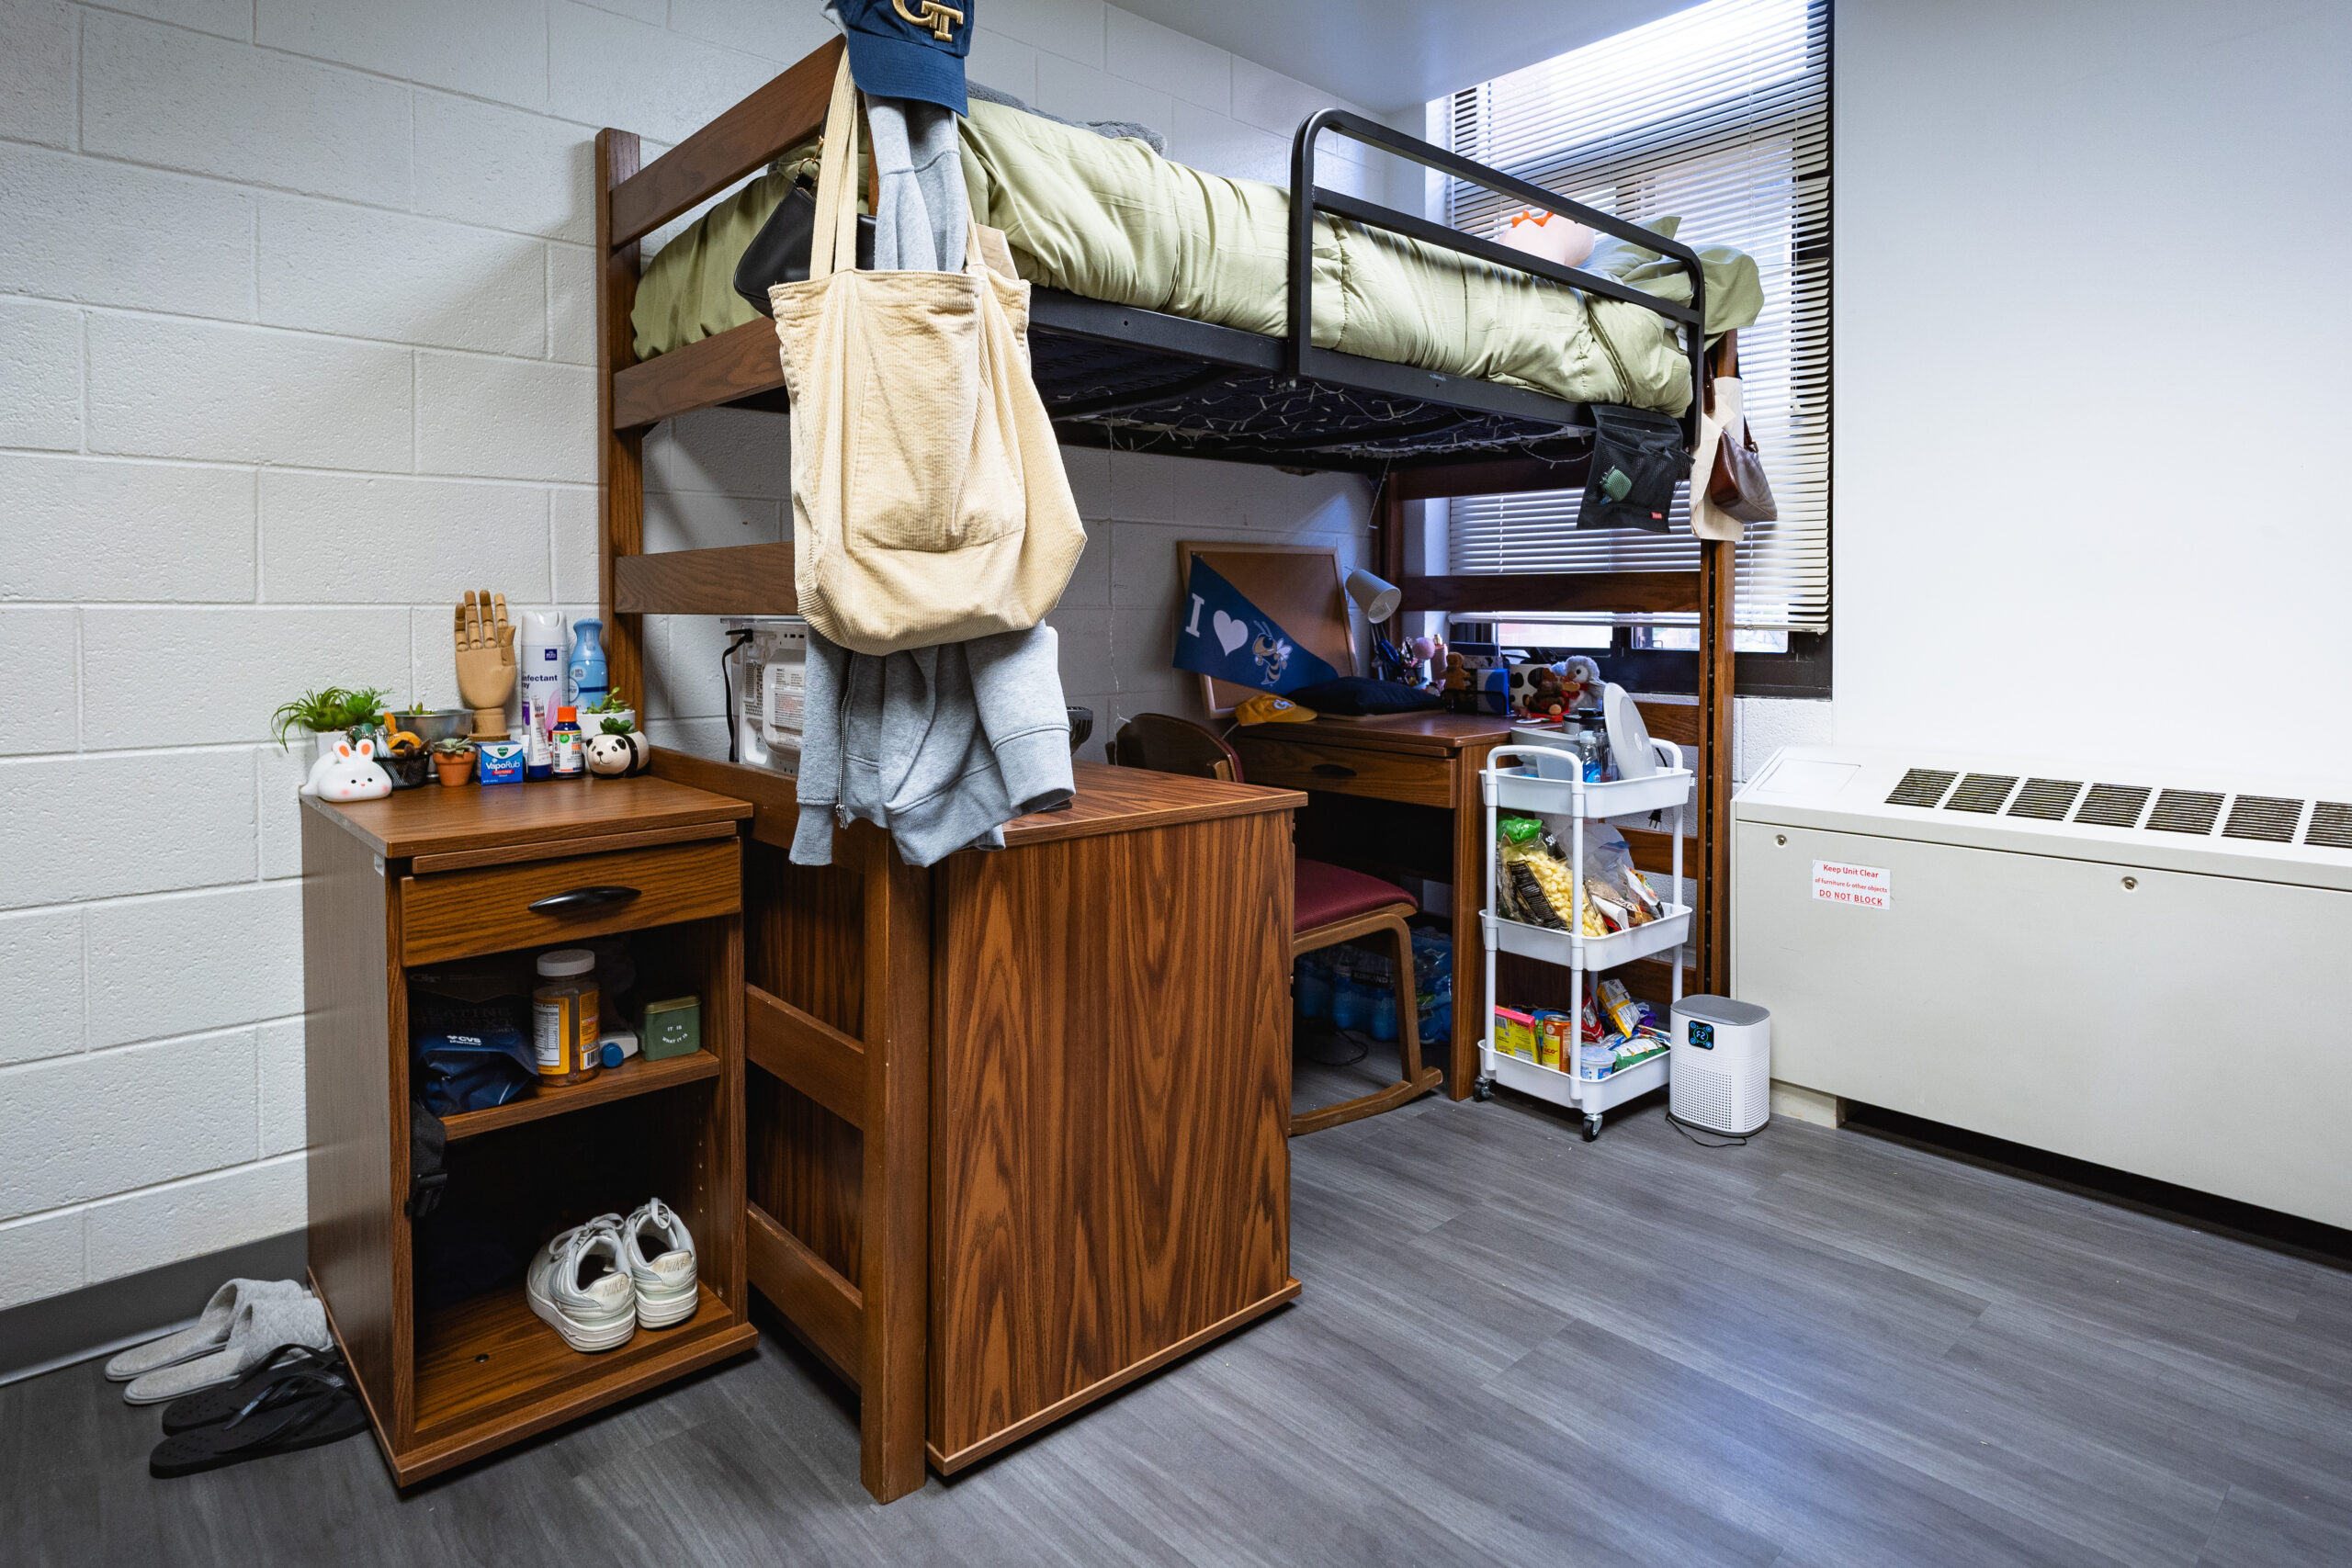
{"type": "Point", "coordinates": [1134, 380]}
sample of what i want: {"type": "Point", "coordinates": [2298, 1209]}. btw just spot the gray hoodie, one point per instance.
{"type": "Point", "coordinates": [941, 746]}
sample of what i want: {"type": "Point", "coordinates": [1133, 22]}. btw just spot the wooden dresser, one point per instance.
{"type": "Point", "coordinates": [435, 874]}
{"type": "Point", "coordinates": [1017, 1122]}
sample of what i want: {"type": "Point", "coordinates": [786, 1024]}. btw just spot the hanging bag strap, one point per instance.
{"type": "Point", "coordinates": [832, 240]}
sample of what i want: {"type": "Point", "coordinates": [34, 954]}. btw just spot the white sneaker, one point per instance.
{"type": "Point", "coordinates": [665, 1284]}
{"type": "Point", "coordinates": [581, 1285]}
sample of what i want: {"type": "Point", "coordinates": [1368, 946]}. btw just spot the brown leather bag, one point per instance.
{"type": "Point", "coordinates": [1739, 486]}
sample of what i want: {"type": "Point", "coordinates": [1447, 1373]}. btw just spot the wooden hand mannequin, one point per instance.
{"type": "Point", "coordinates": [485, 661]}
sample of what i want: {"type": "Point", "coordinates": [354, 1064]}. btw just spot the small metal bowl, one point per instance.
{"type": "Point", "coordinates": [441, 724]}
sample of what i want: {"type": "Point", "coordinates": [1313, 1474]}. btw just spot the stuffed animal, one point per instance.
{"type": "Point", "coordinates": [620, 756]}
{"type": "Point", "coordinates": [1562, 241]}
{"type": "Point", "coordinates": [1424, 657]}
{"type": "Point", "coordinates": [348, 774]}
{"type": "Point", "coordinates": [1523, 679]}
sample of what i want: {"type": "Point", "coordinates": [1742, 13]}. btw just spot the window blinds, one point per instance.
{"type": "Point", "coordinates": [1718, 114]}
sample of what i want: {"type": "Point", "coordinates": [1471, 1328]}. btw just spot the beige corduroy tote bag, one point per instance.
{"type": "Point", "coordinates": [928, 503]}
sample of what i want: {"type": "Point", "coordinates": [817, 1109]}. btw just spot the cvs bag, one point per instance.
{"type": "Point", "coordinates": [928, 503]}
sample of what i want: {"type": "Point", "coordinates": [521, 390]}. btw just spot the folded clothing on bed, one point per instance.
{"type": "Point", "coordinates": [1114, 220]}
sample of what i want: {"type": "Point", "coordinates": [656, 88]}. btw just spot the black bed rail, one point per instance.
{"type": "Point", "coordinates": [1307, 199]}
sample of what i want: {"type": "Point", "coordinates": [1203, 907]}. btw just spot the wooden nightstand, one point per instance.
{"type": "Point", "coordinates": [449, 1373]}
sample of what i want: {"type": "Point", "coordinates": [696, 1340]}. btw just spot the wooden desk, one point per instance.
{"type": "Point", "coordinates": [1359, 771]}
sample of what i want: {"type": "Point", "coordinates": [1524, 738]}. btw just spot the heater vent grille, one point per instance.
{"type": "Point", "coordinates": [1922, 787]}
{"type": "Point", "coordinates": [2113, 806]}
{"type": "Point", "coordinates": [2185, 811]}
{"type": "Point", "coordinates": [1982, 792]}
{"type": "Point", "coordinates": [2331, 825]}
{"type": "Point", "coordinates": [2266, 816]}
{"type": "Point", "coordinates": [2047, 799]}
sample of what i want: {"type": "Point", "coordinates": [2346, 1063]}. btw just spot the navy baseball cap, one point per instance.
{"type": "Point", "coordinates": [909, 49]}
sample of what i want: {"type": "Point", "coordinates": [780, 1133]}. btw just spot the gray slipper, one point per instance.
{"type": "Point", "coordinates": [208, 1334]}
{"type": "Point", "coordinates": [263, 1324]}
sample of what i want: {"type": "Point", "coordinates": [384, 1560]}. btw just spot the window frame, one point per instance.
{"type": "Point", "coordinates": [1806, 670]}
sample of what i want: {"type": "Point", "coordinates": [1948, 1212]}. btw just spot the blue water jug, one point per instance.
{"type": "Point", "coordinates": [1310, 990]}
{"type": "Point", "coordinates": [585, 681]}
{"type": "Point", "coordinates": [1384, 1016]}
{"type": "Point", "coordinates": [1350, 1008]}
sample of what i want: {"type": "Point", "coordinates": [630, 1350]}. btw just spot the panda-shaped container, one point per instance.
{"type": "Point", "coordinates": [621, 756]}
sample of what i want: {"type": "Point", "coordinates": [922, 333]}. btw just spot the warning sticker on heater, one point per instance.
{"type": "Point", "coordinates": [1863, 886]}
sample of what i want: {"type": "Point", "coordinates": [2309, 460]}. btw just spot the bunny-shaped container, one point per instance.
{"type": "Point", "coordinates": [348, 772]}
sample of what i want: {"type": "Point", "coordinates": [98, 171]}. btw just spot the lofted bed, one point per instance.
{"type": "Point", "coordinates": [842, 1230]}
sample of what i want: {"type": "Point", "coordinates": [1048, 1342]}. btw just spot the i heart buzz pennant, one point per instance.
{"type": "Point", "coordinates": [1224, 636]}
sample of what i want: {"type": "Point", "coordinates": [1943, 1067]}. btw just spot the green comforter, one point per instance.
{"type": "Point", "coordinates": [1114, 220]}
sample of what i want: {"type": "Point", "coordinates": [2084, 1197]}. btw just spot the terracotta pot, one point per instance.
{"type": "Point", "coordinates": [454, 770]}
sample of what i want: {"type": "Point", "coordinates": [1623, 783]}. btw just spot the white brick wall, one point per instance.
{"type": "Point", "coordinates": [294, 311]}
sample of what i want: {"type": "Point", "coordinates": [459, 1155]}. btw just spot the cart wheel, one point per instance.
{"type": "Point", "coordinates": [1482, 1089]}
{"type": "Point", "coordinates": [1591, 1128]}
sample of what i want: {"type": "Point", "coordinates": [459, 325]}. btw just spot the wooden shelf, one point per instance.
{"type": "Point", "coordinates": [491, 1358]}
{"type": "Point", "coordinates": [635, 1075]}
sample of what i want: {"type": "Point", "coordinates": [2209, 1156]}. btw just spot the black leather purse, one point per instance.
{"type": "Point", "coordinates": [779, 252]}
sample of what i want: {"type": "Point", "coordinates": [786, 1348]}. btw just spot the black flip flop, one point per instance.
{"type": "Point", "coordinates": [215, 1405]}
{"type": "Point", "coordinates": [306, 1410]}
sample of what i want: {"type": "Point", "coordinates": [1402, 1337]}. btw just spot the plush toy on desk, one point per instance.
{"type": "Point", "coordinates": [348, 774]}
{"type": "Point", "coordinates": [1424, 658]}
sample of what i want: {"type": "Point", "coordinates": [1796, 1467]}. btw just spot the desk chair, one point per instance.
{"type": "Point", "coordinates": [1330, 904]}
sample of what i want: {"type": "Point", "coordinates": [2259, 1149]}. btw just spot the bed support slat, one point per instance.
{"type": "Point", "coordinates": [784, 112]}
{"type": "Point", "coordinates": [730, 579]}
{"type": "Point", "coordinates": [1618, 592]}
{"type": "Point", "coordinates": [827, 1309]}
{"type": "Point", "coordinates": [806, 1052]}
{"type": "Point", "coordinates": [740, 362]}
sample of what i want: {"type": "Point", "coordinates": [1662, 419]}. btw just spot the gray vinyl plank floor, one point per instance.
{"type": "Point", "coordinates": [1822, 1348]}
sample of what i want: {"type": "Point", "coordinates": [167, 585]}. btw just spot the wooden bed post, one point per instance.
{"type": "Point", "coordinates": [1718, 578]}
{"type": "Point", "coordinates": [895, 1209]}
{"type": "Point", "coordinates": [620, 454]}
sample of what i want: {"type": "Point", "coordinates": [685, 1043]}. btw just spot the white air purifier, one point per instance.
{"type": "Point", "coordinates": [1722, 1073]}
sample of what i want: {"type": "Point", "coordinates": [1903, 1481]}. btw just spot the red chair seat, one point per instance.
{"type": "Point", "coordinates": [1326, 893]}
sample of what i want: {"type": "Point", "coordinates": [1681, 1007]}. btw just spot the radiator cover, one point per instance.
{"type": "Point", "coordinates": [2147, 968]}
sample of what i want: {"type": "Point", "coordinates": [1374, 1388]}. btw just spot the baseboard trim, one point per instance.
{"type": "Point", "coordinates": [97, 1320]}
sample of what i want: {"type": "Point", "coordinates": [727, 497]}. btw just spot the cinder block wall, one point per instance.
{"type": "Point", "coordinates": [295, 328]}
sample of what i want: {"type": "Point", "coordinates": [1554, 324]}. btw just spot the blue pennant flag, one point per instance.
{"type": "Point", "coordinates": [1224, 636]}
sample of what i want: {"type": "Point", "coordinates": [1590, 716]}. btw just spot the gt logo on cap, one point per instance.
{"type": "Point", "coordinates": [940, 19]}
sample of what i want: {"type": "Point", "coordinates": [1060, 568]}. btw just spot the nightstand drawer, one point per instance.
{"type": "Point", "coordinates": [545, 903]}
{"type": "Point", "coordinates": [1414, 778]}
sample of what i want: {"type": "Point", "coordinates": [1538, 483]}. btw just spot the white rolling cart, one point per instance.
{"type": "Point", "coordinates": [1567, 799]}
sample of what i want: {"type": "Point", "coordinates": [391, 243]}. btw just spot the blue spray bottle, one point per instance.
{"type": "Point", "coordinates": [585, 680]}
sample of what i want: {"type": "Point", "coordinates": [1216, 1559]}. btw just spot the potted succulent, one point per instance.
{"type": "Point", "coordinates": [611, 715]}
{"type": "Point", "coordinates": [329, 713]}
{"type": "Point", "coordinates": [453, 756]}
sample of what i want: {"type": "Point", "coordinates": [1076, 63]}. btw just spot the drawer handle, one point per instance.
{"type": "Point", "coordinates": [1333, 770]}
{"type": "Point", "coordinates": [582, 899]}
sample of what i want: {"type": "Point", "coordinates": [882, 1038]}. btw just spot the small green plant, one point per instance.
{"type": "Point", "coordinates": [617, 726]}
{"type": "Point", "coordinates": [612, 702]}
{"type": "Point", "coordinates": [364, 705]}
{"type": "Point", "coordinates": [452, 745]}
{"type": "Point", "coordinates": [324, 709]}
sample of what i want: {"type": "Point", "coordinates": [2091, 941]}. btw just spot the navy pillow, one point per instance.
{"type": "Point", "coordinates": [1352, 694]}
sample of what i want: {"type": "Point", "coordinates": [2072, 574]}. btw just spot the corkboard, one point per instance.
{"type": "Point", "coordinates": [1303, 587]}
